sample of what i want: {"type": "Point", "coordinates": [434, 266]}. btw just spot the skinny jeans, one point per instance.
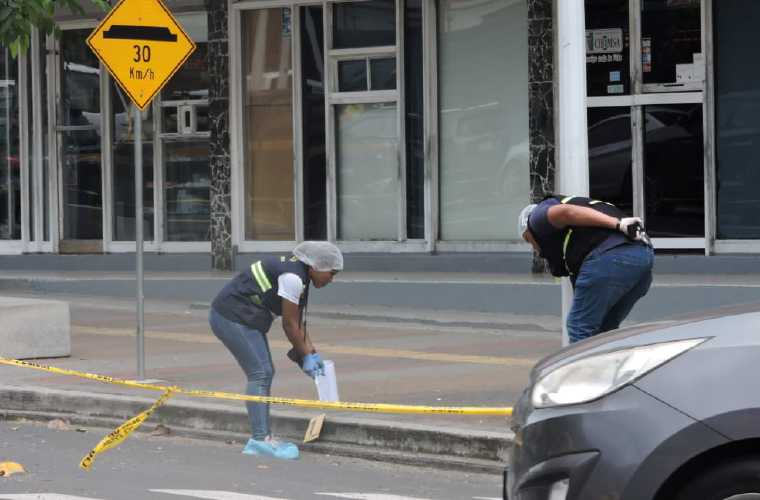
{"type": "Point", "coordinates": [250, 348]}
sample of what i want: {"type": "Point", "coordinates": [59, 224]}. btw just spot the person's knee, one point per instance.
{"type": "Point", "coordinates": [262, 374]}
{"type": "Point", "coordinates": [578, 329]}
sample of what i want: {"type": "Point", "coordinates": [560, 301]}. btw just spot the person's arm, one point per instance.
{"type": "Point", "coordinates": [561, 216]}
{"type": "Point", "coordinates": [294, 330]}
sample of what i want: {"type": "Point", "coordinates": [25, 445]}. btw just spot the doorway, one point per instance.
{"type": "Point", "coordinates": [78, 133]}
{"type": "Point", "coordinates": [646, 92]}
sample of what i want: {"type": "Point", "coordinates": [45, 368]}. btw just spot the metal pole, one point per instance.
{"type": "Point", "coordinates": [573, 139]}
{"type": "Point", "coordinates": [139, 241]}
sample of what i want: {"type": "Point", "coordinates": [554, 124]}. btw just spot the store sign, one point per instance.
{"type": "Point", "coordinates": [142, 45]}
{"type": "Point", "coordinates": [605, 41]}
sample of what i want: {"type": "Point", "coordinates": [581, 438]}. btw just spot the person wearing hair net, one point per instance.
{"type": "Point", "coordinates": [607, 256]}
{"type": "Point", "coordinates": [243, 311]}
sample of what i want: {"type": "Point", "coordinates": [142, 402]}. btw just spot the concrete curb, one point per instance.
{"type": "Point", "coordinates": [460, 449]}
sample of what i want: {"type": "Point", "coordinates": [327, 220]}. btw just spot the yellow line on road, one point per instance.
{"type": "Point", "coordinates": [324, 348]}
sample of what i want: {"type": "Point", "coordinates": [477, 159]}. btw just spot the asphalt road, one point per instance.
{"type": "Point", "coordinates": [149, 467]}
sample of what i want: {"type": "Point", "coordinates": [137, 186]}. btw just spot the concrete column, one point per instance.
{"type": "Point", "coordinates": [573, 140]}
{"type": "Point", "coordinates": [219, 143]}
{"type": "Point", "coordinates": [573, 137]}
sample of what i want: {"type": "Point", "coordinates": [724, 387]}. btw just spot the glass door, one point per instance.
{"type": "Point", "coordinates": [365, 108]}
{"type": "Point", "coordinates": [330, 130]}
{"type": "Point", "coordinates": [646, 78]}
{"type": "Point", "coordinates": [267, 90]}
{"type": "Point", "coordinates": [79, 141]}
{"type": "Point", "coordinates": [10, 166]}
{"type": "Point", "coordinates": [184, 133]}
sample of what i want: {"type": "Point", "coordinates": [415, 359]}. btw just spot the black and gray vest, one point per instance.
{"type": "Point", "coordinates": [566, 249]}
{"type": "Point", "coordinates": [251, 297]}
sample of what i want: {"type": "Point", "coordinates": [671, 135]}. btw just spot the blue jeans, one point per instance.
{"type": "Point", "coordinates": [608, 285]}
{"type": "Point", "coordinates": [251, 350]}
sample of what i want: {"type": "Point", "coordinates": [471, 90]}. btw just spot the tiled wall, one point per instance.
{"type": "Point", "coordinates": [219, 150]}
{"type": "Point", "coordinates": [541, 78]}
{"type": "Point", "coordinates": [541, 106]}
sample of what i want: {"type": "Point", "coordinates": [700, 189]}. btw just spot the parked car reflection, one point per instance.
{"type": "Point", "coordinates": [738, 155]}
{"type": "Point", "coordinates": [673, 166]}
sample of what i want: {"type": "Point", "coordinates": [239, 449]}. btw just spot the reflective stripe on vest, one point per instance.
{"type": "Point", "coordinates": [564, 250]}
{"type": "Point", "coordinates": [566, 242]}
{"type": "Point", "coordinates": [261, 278]}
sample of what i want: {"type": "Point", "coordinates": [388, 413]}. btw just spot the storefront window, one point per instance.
{"type": "Point", "coordinates": [364, 24]}
{"type": "Point", "coordinates": [671, 42]}
{"type": "Point", "coordinates": [187, 190]}
{"type": "Point", "coordinates": [184, 141]}
{"type": "Point", "coordinates": [737, 119]}
{"type": "Point", "coordinates": [268, 125]}
{"type": "Point", "coordinates": [44, 77]}
{"type": "Point", "coordinates": [368, 183]}
{"type": "Point", "coordinates": [10, 180]}
{"type": "Point", "coordinates": [313, 123]}
{"type": "Point", "coordinates": [607, 48]}
{"type": "Point", "coordinates": [483, 74]}
{"type": "Point", "coordinates": [124, 167]}
{"type": "Point", "coordinates": [674, 189]}
{"type": "Point", "coordinates": [80, 139]}
{"type": "Point", "coordinates": [610, 155]}
{"type": "Point", "coordinates": [415, 138]}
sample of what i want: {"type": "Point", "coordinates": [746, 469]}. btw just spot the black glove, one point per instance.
{"type": "Point", "coordinates": [295, 357]}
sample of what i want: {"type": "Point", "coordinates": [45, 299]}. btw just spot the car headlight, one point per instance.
{"type": "Point", "coordinates": [596, 376]}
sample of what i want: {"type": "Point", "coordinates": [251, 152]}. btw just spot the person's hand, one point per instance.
{"type": "Point", "coordinates": [632, 227]}
{"type": "Point", "coordinates": [313, 365]}
{"type": "Point", "coordinates": [295, 358]}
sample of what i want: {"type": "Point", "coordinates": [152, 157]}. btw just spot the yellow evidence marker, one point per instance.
{"type": "Point", "coordinates": [10, 468]}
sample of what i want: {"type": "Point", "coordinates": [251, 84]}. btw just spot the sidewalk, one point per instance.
{"type": "Point", "coordinates": [409, 357]}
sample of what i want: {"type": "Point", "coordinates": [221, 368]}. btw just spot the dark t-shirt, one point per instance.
{"type": "Point", "coordinates": [541, 227]}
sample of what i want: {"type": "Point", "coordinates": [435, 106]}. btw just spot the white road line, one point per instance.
{"type": "Point", "coordinates": [215, 495]}
{"type": "Point", "coordinates": [368, 496]}
{"type": "Point", "coordinates": [486, 498]}
{"type": "Point", "coordinates": [41, 496]}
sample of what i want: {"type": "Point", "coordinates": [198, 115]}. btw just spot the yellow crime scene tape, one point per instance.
{"type": "Point", "coordinates": [123, 431]}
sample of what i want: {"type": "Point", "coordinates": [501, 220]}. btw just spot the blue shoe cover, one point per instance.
{"type": "Point", "coordinates": [271, 448]}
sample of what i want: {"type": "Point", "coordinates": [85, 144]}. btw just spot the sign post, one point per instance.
{"type": "Point", "coordinates": [139, 237]}
{"type": "Point", "coordinates": [142, 45]}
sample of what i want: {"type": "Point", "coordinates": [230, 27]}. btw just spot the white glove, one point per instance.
{"type": "Point", "coordinates": [632, 227]}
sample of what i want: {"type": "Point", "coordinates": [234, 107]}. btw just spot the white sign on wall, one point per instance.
{"type": "Point", "coordinates": [604, 41]}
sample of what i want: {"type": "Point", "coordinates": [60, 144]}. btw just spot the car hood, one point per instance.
{"type": "Point", "coordinates": [677, 328]}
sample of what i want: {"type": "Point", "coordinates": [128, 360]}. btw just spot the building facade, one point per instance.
{"type": "Point", "coordinates": [384, 125]}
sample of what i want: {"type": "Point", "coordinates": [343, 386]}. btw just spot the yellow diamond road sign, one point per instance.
{"type": "Point", "coordinates": [142, 45]}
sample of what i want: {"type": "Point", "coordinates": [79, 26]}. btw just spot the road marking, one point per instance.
{"type": "Point", "coordinates": [371, 352]}
{"type": "Point", "coordinates": [486, 498]}
{"type": "Point", "coordinates": [368, 496]}
{"type": "Point", "coordinates": [214, 495]}
{"type": "Point", "coordinates": [42, 496]}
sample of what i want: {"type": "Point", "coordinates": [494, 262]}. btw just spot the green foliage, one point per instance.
{"type": "Point", "coordinates": [18, 16]}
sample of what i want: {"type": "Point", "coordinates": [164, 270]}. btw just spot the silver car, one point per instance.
{"type": "Point", "coordinates": [661, 411]}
